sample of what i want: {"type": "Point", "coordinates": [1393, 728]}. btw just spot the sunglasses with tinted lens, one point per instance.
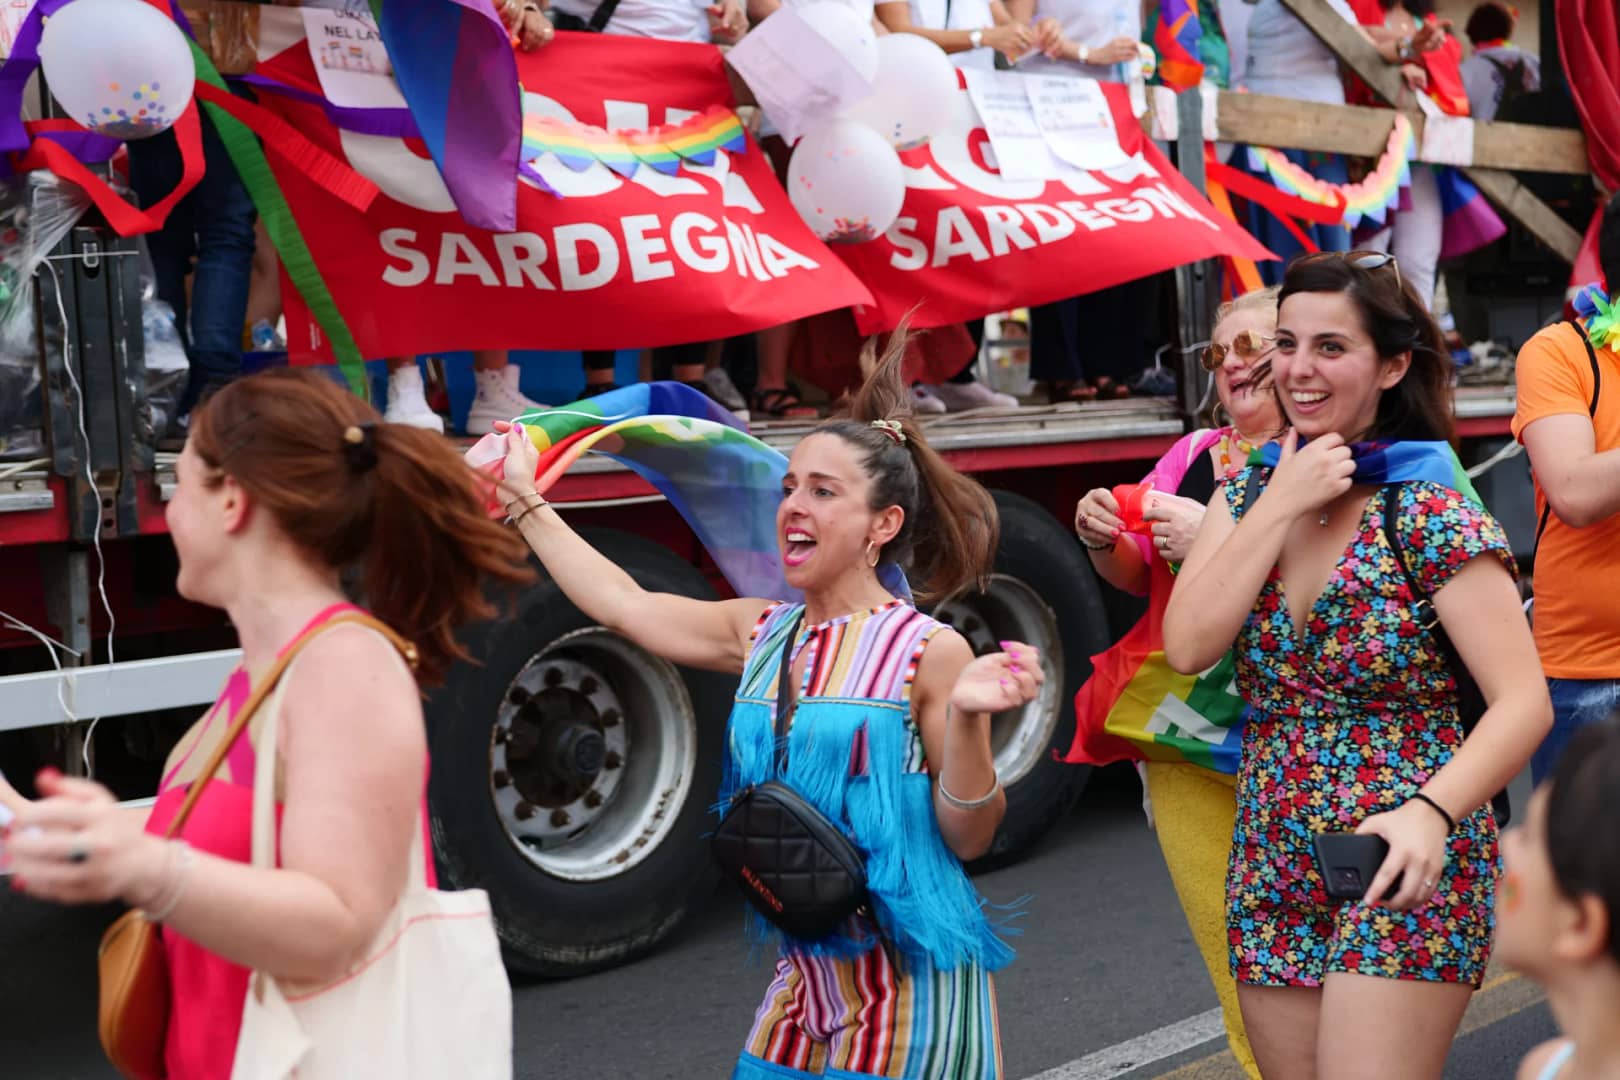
{"type": "Point", "coordinates": [1249, 345]}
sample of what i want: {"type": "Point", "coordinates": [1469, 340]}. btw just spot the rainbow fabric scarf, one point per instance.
{"type": "Point", "coordinates": [724, 482]}
{"type": "Point", "coordinates": [1600, 317]}
{"type": "Point", "coordinates": [1394, 463]}
{"type": "Point", "coordinates": [1370, 199]}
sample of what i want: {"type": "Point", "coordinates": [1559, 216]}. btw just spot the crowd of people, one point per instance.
{"type": "Point", "coordinates": [1084, 348]}
{"type": "Point", "coordinates": [1349, 570]}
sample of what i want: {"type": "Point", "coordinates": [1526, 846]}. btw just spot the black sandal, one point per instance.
{"type": "Point", "coordinates": [780, 403]}
{"type": "Point", "coordinates": [1060, 390]}
{"type": "Point", "coordinates": [1109, 390]}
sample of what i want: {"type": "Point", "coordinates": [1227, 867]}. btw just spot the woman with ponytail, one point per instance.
{"type": "Point", "coordinates": [887, 732]}
{"type": "Point", "coordinates": [287, 482]}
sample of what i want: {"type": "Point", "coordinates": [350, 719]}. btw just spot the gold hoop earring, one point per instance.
{"type": "Point", "coordinates": [872, 557]}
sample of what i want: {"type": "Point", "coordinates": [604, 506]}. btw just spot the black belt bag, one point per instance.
{"type": "Point", "coordinates": [795, 866]}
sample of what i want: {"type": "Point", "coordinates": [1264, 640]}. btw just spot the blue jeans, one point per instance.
{"type": "Point", "coordinates": [1576, 703]}
{"type": "Point", "coordinates": [213, 223]}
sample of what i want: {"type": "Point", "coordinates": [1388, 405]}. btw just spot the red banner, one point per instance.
{"type": "Point", "coordinates": [706, 253]}
{"type": "Point", "coordinates": [970, 242]}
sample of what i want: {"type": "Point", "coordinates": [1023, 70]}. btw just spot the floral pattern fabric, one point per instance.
{"type": "Point", "coordinates": [1349, 718]}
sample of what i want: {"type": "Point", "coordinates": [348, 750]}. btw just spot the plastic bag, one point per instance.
{"type": "Point", "coordinates": [166, 366]}
{"type": "Point", "coordinates": [36, 211]}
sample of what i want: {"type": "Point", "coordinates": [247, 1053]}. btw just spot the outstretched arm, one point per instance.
{"type": "Point", "coordinates": [699, 633]}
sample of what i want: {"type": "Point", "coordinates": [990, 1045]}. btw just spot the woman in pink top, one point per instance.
{"type": "Point", "coordinates": [1193, 807]}
{"type": "Point", "coordinates": [287, 481]}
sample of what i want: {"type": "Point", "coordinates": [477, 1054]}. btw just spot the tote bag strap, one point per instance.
{"type": "Point", "coordinates": [270, 682]}
{"type": "Point", "coordinates": [264, 770]}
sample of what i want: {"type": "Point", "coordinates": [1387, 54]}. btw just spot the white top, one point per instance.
{"type": "Point", "coordinates": [957, 15]}
{"type": "Point", "coordinates": [1285, 59]}
{"type": "Point", "coordinates": [1091, 23]}
{"type": "Point", "coordinates": [666, 20]}
{"type": "Point", "coordinates": [1484, 84]}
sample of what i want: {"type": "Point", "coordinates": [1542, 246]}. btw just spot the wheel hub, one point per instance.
{"type": "Point", "coordinates": [592, 750]}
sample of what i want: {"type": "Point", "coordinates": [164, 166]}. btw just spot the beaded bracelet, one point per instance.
{"type": "Point", "coordinates": [967, 804]}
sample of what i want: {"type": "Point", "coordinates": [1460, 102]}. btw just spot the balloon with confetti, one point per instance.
{"type": "Point", "coordinates": [846, 182]}
{"type": "Point", "coordinates": [119, 67]}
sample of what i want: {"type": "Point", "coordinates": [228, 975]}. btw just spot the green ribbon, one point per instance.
{"type": "Point", "coordinates": [254, 169]}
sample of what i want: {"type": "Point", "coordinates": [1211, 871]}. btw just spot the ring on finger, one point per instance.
{"type": "Point", "coordinates": [78, 854]}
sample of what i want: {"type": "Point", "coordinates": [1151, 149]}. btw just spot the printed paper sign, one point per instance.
{"type": "Point", "coordinates": [797, 76]}
{"type": "Point", "coordinates": [1073, 117]}
{"type": "Point", "coordinates": [350, 60]}
{"type": "Point", "coordinates": [1004, 108]}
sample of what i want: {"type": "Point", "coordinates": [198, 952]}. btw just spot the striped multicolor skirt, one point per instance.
{"type": "Point", "coordinates": [863, 1018]}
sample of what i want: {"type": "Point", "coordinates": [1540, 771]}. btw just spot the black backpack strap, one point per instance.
{"type": "Point", "coordinates": [1251, 491]}
{"type": "Point", "coordinates": [1591, 411]}
{"type": "Point", "coordinates": [784, 682]}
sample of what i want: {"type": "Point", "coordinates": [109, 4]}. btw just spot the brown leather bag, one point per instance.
{"type": "Point", "coordinates": [134, 970]}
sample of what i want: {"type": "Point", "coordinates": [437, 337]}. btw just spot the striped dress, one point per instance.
{"type": "Point", "coordinates": [905, 992]}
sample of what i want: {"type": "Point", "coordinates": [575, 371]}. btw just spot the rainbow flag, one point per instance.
{"type": "Point", "coordinates": [1370, 199]}
{"type": "Point", "coordinates": [1176, 39]}
{"type": "Point", "coordinates": [724, 482]}
{"type": "Point", "coordinates": [454, 64]}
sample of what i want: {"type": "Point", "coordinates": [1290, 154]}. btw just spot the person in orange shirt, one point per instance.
{"type": "Point", "coordinates": [1568, 418]}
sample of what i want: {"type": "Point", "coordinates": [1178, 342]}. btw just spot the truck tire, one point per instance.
{"type": "Point", "coordinates": [1043, 592]}
{"type": "Point", "coordinates": [573, 773]}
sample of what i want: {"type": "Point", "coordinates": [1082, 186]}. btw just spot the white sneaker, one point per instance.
{"type": "Point", "coordinates": [960, 397]}
{"type": "Point", "coordinates": [497, 399]}
{"type": "Point", "coordinates": [723, 390]}
{"type": "Point", "coordinates": [924, 403]}
{"type": "Point", "coordinates": [407, 400]}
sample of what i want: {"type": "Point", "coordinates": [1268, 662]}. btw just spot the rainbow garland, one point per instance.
{"type": "Point", "coordinates": [1600, 317]}
{"type": "Point", "coordinates": [1370, 199]}
{"type": "Point", "coordinates": [663, 149]}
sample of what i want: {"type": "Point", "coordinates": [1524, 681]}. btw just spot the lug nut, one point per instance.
{"type": "Point", "coordinates": [554, 678]}
{"type": "Point", "coordinates": [524, 811]}
{"type": "Point", "coordinates": [610, 718]}
{"type": "Point", "coordinates": [559, 818]}
{"type": "Point", "coordinates": [518, 696]}
{"type": "Point", "coordinates": [588, 685]}
{"type": "Point", "coordinates": [613, 760]}
{"type": "Point", "coordinates": [501, 778]}
{"type": "Point", "coordinates": [501, 735]}
{"type": "Point", "coordinates": [593, 799]}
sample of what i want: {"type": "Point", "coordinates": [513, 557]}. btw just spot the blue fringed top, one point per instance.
{"type": "Point", "coordinates": [855, 752]}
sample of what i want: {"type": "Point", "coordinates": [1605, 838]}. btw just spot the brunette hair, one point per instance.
{"type": "Point", "coordinates": [396, 502]}
{"type": "Point", "coordinates": [1583, 826]}
{"type": "Point", "coordinates": [1419, 406]}
{"type": "Point", "coordinates": [1489, 22]}
{"type": "Point", "coordinates": [948, 539]}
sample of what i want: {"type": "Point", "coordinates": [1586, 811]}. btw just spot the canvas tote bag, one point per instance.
{"type": "Point", "coordinates": [428, 1000]}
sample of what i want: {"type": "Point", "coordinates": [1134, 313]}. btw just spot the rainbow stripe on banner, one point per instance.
{"type": "Point", "coordinates": [1370, 199]}
{"type": "Point", "coordinates": [579, 146]}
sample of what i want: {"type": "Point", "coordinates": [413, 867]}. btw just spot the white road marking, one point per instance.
{"type": "Point", "coordinates": [1133, 1054]}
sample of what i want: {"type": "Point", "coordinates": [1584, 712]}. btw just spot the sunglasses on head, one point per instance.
{"type": "Point", "coordinates": [1249, 345]}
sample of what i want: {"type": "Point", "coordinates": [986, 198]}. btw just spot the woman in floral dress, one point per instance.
{"type": "Point", "coordinates": [1355, 724]}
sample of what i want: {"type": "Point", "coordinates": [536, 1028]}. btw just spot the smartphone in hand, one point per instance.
{"type": "Point", "coordinates": [1348, 862]}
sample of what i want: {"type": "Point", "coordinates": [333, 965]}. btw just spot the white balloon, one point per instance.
{"type": "Point", "coordinates": [913, 93]}
{"type": "Point", "coordinates": [846, 182]}
{"type": "Point", "coordinates": [847, 32]}
{"type": "Point", "coordinates": [119, 67]}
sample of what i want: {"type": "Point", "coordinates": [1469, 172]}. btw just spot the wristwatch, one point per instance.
{"type": "Point", "coordinates": [976, 39]}
{"type": "Point", "coordinates": [1085, 55]}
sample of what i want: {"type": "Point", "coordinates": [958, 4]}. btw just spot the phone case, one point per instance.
{"type": "Point", "coordinates": [1348, 863]}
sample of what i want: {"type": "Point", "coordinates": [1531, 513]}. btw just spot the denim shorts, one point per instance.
{"type": "Point", "coordinates": [1576, 703]}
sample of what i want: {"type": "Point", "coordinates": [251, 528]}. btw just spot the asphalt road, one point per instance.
{"type": "Point", "coordinates": [1106, 982]}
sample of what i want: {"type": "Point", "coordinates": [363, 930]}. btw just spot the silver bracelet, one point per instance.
{"type": "Point", "coordinates": [170, 898]}
{"type": "Point", "coordinates": [964, 804]}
